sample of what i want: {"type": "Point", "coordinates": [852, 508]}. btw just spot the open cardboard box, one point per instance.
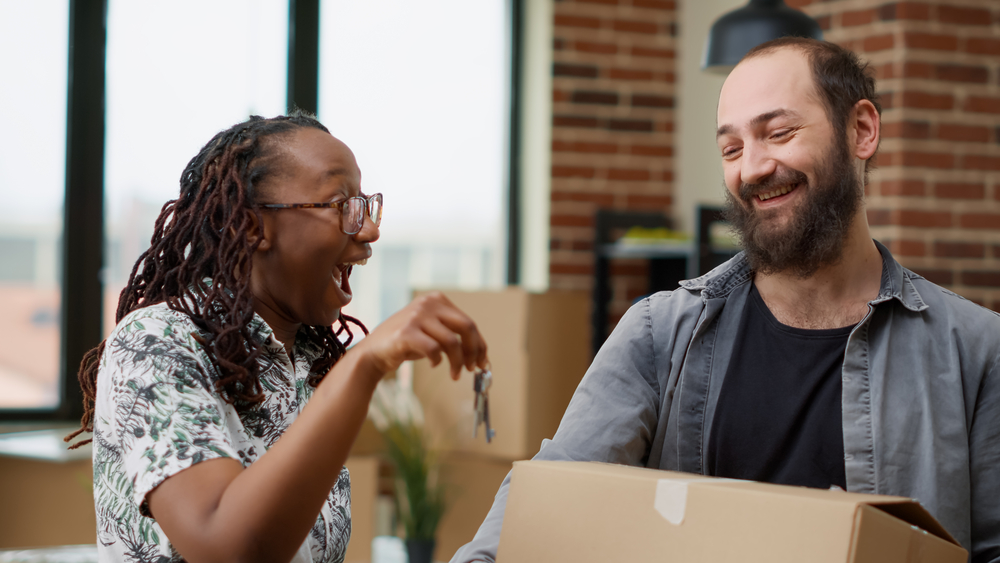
{"type": "Point", "coordinates": [585, 511]}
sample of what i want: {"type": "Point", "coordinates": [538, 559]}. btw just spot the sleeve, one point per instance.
{"type": "Point", "coordinates": [984, 459]}
{"type": "Point", "coordinates": [611, 418]}
{"type": "Point", "coordinates": [166, 415]}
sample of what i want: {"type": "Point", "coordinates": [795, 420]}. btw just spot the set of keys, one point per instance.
{"type": "Point", "coordinates": [481, 383]}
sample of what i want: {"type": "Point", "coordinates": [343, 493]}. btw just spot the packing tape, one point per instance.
{"type": "Point", "coordinates": [671, 499]}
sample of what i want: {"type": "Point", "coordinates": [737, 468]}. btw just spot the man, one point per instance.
{"type": "Point", "coordinates": [813, 358]}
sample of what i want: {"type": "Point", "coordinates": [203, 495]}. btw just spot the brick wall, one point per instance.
{"type": "Point", "coordinates": [612, 129]}
{"type": "Point", "coordinates": [935, 199]}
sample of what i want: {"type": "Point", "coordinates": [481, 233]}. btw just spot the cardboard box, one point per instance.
{"type": "Point", "coordinates": [472, 484]}
{"type": "Point", "coordinates": [539, 350]}
{"type": "Point", "coordinates": [583, 512]}
{"type": "Point", "coordinates": [364, 492]}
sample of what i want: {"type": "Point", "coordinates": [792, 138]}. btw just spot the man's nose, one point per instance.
{"type": "Point", "coordinates": [755, 164]}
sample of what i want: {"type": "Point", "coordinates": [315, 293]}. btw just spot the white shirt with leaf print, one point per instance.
{"type": "Point", "coordinates": [157, 413]}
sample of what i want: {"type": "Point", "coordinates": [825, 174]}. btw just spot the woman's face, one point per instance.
{"type": "Point", "coordinates": [301, 268]}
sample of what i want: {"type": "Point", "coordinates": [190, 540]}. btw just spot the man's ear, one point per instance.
{"type": "Point", "coordinates": [865, 129]}
{"type": "Point", "coordinates": [257, 230]}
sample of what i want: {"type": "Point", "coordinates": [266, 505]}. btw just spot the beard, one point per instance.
{"type": "Point", "coordinates": [815, 235]}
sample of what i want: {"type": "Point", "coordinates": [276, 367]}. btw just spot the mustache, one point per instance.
{"type": "Point", "coordinates": [782, 177]}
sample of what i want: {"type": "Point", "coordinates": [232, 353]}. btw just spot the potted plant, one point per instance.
{"type": "Point", "coordinates": [419, 498]}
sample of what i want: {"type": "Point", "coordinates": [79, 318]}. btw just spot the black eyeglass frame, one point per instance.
{"type": "Point", "coordinates": [342, 205]}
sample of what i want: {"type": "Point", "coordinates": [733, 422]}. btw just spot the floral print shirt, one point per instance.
{"type": "Point", "coordinates": [157, 413]}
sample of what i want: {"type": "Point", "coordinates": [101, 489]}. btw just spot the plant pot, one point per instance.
{"type": "Point", "coordinates": [420, 551]}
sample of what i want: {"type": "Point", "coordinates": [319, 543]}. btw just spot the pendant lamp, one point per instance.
{"type": "Point", "coordinates": [735, 33]}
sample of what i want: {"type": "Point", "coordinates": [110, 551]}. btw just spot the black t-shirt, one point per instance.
{"type": "Point", "coordinates": [778, 418]}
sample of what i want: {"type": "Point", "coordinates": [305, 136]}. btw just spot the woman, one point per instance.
{"type": "Point", "coordinates": [204, 446]}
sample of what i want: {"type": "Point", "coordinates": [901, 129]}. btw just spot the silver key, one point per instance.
{"type": "Point", "coordinates": [481, 383]}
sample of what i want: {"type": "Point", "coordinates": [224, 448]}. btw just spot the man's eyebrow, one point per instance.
{"type": "Point", "coordinates": [762, 118]}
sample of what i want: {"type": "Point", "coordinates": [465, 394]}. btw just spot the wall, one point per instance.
{"type": "Point", "coordinates": [935, 199]}
{"type": "Point", "coordinates": [613, 78]}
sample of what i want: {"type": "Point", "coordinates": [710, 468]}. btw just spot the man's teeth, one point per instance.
{"type": "Point", "coordinates": [361, 262]}
{"type": "Point", "coordinates": [776, 193]}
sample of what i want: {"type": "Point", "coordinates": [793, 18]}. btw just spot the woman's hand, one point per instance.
{"type": "Point", "coordinates": [426, 328]}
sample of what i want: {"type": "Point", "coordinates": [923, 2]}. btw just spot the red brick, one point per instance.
{"type": "Point", "coordinates": [576, 21]}
{"type": "Point", "coordinates": [956, 190]}
{"type": "Point", "coordinates": [980, 220]}
{"type": "Point", "coordinates": [924, 100]}
{"type": "Point", "coordinates": [923, 219]}
{"type": "Point", "coordinates": [907, 130]}
{"type": "Point", "coordinates": [574, 121]}
{"type": "Point", "coordinates": [981, 278]}
{"type": "Point", "coordinates": [566, 146]}
{"type": "Point", "coordinates": [959, 250]}
{"type": "Point", "coordinates": [860, 17]}
{"type": "Point", "coordinates": [588, 47]}
{"type": "Point", "coordinates": [908, 248]}
{"type": "Point", "coordinates": [982, 46]}
{"type": "Point", "coordinates": [996, 250]}
{"type": "Point", "coordinates": [560, 95]}
{"type": "Point", "coordinates": [573, 172]}
{"type": "Point", "coordinates": [940, 277]}
{"type": "Point", "coordinates": [571, 221]}
{"type": "Point", "coordinates": [582, 246]}
{"type": "Point", "coordinates": [652, 150]}
{"type": "Point", "coordinates": [580, 269]}
{"type": "Point", "coordinates": [962, 73]}
{"type": "Point", "coordinates": [964, 15]}
{"type": "Point", "coordinates": [967, 133]}
{"type": "Point", "coordinates": [601, 199]}
{"type": "Point", "coordinates": [636, 26]}
{"type": "Point", "coordinates": [937, 42]}
{"type": "Point", "coordinates": [878, 42]}
{"type": "Point", "coordinates": [667, 176]}
{"type": "Point", "coordinates": [668, 77]}
{"type": "Point", "coordinates": [574, 70]}
{"type": "Point", "coordinates": [629, 74]}
{"type": "Point", "coordinates": [650, 52]}
{"type": "Point", "coordinates": [884, 71]}
{"type": "Point", "coordinates": [904, 11]}
{"type": "Point", "coordinates": [558, 44]}
{"type": "Point", "coordinates": [912, 69]}
{"type": "Point", "coordinates": [591, 97]}
{"type": "Point", "coordinates": [655, 4]}
{"type": "Point", "coordinates": [629, 175]}
{"type": "Point", "coordinates": [644, 201]}
{"type": "Point", "coordinates": [612, 2]}
{"type": "Point", "coordinates": [982, 104]}
{"type": "Point", "coordinates": [879, 217]}
{"type": "Point", "coordinates": [824, 22]}
{"type": "Point", "coordinates": [652, 101]}
{"type": "Point", "coordinates": [642, 125]}
{"type": "Point", "coordinates": [902, 187]}
{"type": "Point", "coordinates": [918, 160]}
{"type": "Point", "coordinates": [980, 162]}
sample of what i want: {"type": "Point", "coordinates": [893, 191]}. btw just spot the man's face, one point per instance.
{"type": "Point", "coordinates": [792, 187]}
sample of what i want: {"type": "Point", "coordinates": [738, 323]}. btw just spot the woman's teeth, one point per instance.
{"type": "Point", "coordinates": [361, 262]}
{"type": "Point", "coordinates": [777, 192]}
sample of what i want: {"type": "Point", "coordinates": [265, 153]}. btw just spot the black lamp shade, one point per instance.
{"type": "Point", "coordinates": [735, 33]}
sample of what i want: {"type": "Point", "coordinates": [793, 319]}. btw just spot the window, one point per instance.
{"type": "Point", "coordinates": [32, 182]}
{"type": "Point", "coordinates": [419, 91]}
{"type": "Point", "coordinates": [170, 87]}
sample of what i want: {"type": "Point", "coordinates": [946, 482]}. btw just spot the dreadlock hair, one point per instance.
{"type": "Point", "coordinates": [199, 263]}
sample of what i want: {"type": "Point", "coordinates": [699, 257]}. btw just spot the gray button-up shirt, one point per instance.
{"type": "Point", "coordinates": [921, 397]}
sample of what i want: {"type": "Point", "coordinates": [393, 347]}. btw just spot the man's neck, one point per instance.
{"type": "Point", "coordinates": [836, 295]}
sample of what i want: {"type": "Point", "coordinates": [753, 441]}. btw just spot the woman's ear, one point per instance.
{"type": "Point", "coordinates": [257, 230]}
{"type": "Point", "coordinates": [865, 126]}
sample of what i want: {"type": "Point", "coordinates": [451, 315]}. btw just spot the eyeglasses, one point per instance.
{"type": "Point", "coordinates": [352, 211]}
